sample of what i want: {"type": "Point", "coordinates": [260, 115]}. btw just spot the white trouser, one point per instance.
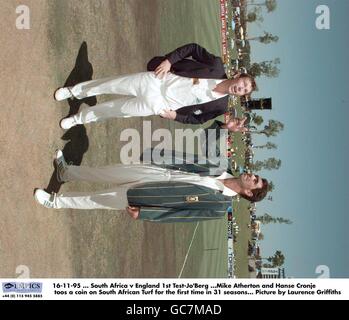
{"type": "Point", "coordinates": [115, 198]}
{"type": "Point", "coordinates": [125, 176]}
{"type": "Point", "coordinates": [144, 91]}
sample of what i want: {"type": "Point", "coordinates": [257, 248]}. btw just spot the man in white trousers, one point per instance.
{"type": "Point", "coordinates": [153, 193]}
{"type": "Point", "coordinates": [186, 90]}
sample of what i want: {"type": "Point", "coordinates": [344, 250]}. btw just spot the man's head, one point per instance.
{"type": "Point", "coordinates": [241, 84]}
{"type": "Point", "coordinates": [253, 187]}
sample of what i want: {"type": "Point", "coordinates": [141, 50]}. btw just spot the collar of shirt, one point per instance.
{"type": "Point", "coordinates": [212, 83]}
{"type": "Point", "coordinates": [226, 191]}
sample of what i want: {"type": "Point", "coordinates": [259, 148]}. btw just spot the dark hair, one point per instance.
{"type": "Point", "coordinates": [253, 81]}
{"type": "Point", "coordinates": [258, 194]}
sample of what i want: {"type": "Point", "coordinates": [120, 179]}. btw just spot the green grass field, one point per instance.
{"type": "Point", "coordinates": [184, 22]}
{"type": "Point", "coordinates": [68, 41]}
{"type": "Point", "coordinates": [159, 249]}
{"type": "Point", "coordinates": [198, 21]}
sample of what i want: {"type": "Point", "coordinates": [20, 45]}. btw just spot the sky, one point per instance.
{"type": "Point", "coordinates": [310, 97]}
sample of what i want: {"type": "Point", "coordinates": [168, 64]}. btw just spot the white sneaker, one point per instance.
{"type": "Point", "coordinates": [61, 165]}
{"type": "Point", "coordinates": [45, 199]}
{"type": "Point", "coordinates": [67, 123]}
{"type": "Point", "coordinates": [63, 93]}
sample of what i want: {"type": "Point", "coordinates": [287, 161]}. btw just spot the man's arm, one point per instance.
{"type": "Point", "coordinates": [193, 50]}
{"type": "Point", "coordinates": [218, 125]}
{"type": "Point", "coordinates": [192, 118]}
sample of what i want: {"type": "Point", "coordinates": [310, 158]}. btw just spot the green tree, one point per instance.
{"type": "Point", "coordinates": [268, 145]}
{"type": "Point", "coordinates": [267, 265]}
{"type": "Point", "coordinates": [269, 164]}
{"type": "Point", "coordinates": [266, 38]}
{"type": "Point", "coordinates": [266, 68]}
{"type": "Point", "coordinates": [282, 220]}
{"type": "Point", "coordinates": [271, 129]}
{"type": "Point", "coordinates": [272, 163]}
{"type": "Point", "coordinates": [270, 5]}
{"type": "Point", "coordinates": [257, 166]}
{"type": "Point", "coordinates": [257, 119]}
{"type": "Point", "coordinates": [277, 260]}
{"type": "Point", "coordinates": [251, 17]}
{"type": "Point", "coordinates": [255, 16]}
{"type": "Point", "coordinates": [271, 186]}
{"type": "Point", "coordinates": [267, 218]}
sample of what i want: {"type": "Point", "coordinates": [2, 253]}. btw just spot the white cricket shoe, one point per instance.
{"type": "Point", "coordinates": [67, 123]}
{"type": "Point", "coordinates": [45, 199]}
{"type": "Point", "coordinates": [61, 165]}
{"type": "Point", "coordinates": [63, 93]}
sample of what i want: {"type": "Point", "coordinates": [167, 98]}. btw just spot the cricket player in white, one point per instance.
{"type": "Point", "coordinates": [186, 90]}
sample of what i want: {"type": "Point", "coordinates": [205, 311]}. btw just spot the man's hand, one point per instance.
{"type": "Point", "coordinates": [237, 125]}
{"type": "Point", "coordinates": [133, 211]}
{"type": "Point", "coordinates": [162, 69]}
{"type": "Point", "coordinates": [168, 114]}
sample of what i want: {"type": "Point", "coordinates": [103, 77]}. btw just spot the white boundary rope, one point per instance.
{"type": "Point", "coordinates": [186, 256]}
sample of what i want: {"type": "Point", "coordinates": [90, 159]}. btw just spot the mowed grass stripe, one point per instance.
{"type": "Point", "coordinates": [182, 22]}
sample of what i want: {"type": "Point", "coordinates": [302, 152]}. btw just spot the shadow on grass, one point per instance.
{"type": "Point", "coordinates": [77, 141]}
